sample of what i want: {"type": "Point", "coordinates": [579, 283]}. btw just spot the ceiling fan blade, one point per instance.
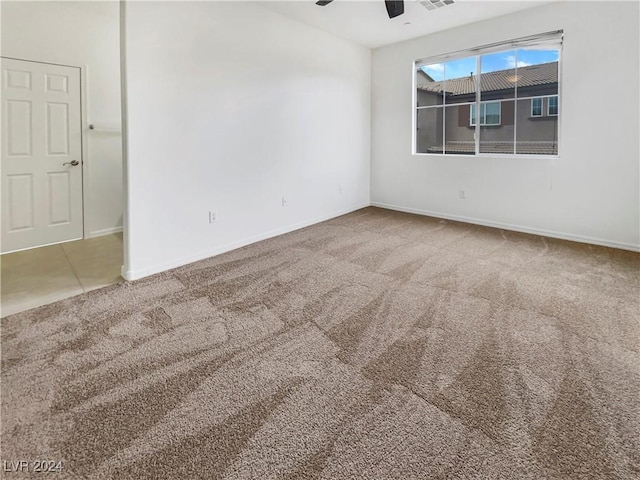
{"type": "Point", "coordinates": [322, 3]}
{"type": "Point", "coordinates": [394, 7]}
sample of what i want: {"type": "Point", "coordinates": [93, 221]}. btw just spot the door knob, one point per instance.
{"type": "Point", "coordinates": [73, 163]}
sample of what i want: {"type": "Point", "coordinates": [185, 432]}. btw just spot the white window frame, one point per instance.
{"type": "Point", "coordinates": [541, 107]}
{"type": "Point", "coordinates": [549, 106]}
{"type": "Point", "coordinates": [483, 106]}
{"type": "Point", "coordinates": [548, 38]}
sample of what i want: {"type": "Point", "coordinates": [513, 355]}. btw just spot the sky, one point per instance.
{"type": "Point", "coordinates": [489, 63]}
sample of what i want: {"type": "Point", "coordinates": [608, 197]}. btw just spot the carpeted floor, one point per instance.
{"type": "Point", "coordinates": [377, 345]}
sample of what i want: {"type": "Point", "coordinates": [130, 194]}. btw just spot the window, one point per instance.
{"type": "Point", "coordinates": [500, 99]}
{"type": "Point", "coordinates": [536, 107]}
{"type": "Point", "coordinates": [489, 114]}
{"type": "Point", "coordinates": [552, 107]}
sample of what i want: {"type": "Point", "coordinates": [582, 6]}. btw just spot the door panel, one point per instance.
{"type": "Point", "coordinates": [18, 79]}
{"type": "Point", "coordinates": [20, 200]}
{"type": "Point", "coordinates": [57, 129]}
{"type": "Point", "coordinates": [57, 83]}
{"type": "Point", "coordinates": [59, 198]}
{"type": "Point", "coordinates": [19, 125]}
{"type": "Point", "coordinates": [41, 136]}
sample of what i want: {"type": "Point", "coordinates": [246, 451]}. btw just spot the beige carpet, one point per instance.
{"type": "Point", "coordinates": [378, 345]}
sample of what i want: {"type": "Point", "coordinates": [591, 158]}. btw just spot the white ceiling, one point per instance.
{"type": "Point", "coordinates": [366, 21]}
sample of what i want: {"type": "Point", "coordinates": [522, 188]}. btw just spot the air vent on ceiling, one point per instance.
{"type": "Point", "coordinates": [433, 4]}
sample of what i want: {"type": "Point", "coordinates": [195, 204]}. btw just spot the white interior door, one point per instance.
{"type": "Point", "coordinates": [41, 155]}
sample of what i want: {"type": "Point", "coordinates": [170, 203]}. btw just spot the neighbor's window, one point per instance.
{"type": "Point", "coordinates": [489, 113]}
{"type": "Point", "coordinates": [552, 108]}
{"type": "Point", "coordinates": [490, 100]}
{"type": "Point", "coordinates": [536, 107]}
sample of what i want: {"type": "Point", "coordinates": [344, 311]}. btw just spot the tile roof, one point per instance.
{"type": "Point", "coordinates": [541, 74]}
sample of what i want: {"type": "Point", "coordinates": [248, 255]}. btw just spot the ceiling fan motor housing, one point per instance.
{"type": "Point", "coordinates": [394, 7]}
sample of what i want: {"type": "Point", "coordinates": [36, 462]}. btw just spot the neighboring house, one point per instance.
{"type": "Point", "coordinates": [423, 78]}
{"type": "Point", "coordinates": [535, 110]}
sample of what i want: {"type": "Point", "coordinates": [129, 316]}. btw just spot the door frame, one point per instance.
{"type": "Point", "coordinates": [84, 144]}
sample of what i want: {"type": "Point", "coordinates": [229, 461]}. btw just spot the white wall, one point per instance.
{"type": "Point", "coordinates": [229, 108]}
{"type": "Point", "coordinates": [590, 193]}
{"type": "Point", "coordinates": [86, 35]}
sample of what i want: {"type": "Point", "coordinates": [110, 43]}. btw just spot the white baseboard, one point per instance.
{"type": "Point", "coordinates": [516, 228]}
{"type": "Point", "coordinates": [104, 231]}
{"type": "Point", "coordinates": [137, 274]}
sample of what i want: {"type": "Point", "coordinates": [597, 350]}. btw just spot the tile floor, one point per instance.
{"type": "Point", "coordinates": [39, 276]}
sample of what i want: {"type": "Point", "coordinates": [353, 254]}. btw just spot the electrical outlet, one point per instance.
{"type": "Point", "coordinates": [213, 216]}
{"type": "Point", "coordinates": [462, 194]}
{"type": "Point", "coordinates": [284, 201]}
{"type": "Point", "coordinates": [340, 189]}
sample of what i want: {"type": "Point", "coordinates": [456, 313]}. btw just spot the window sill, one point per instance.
{"type": "Point", "coordinates": [524, 156]}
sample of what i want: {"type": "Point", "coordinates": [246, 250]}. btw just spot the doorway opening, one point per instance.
{"type": "Point", "coordinates": [62, 165]}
